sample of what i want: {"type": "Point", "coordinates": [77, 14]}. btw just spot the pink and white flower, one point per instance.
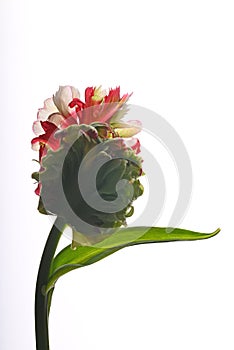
{"type": "Point", "coordinates": [66, 108]}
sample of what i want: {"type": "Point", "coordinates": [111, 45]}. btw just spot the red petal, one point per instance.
{"type": "Point", "coordinates": [89, 92]}
{"type": "Point", "coordinates": [48, 127]}
{"type": "Point", "coordinates": [38, 189]}
{"type": "Point", "coordinates": [113, 96]}
{"type": "Point", "coordinates": [134, 143]}
{"type": "Point", "coordinates": [137, 147]}
{"type": "Point", "coordinates": [76, 102]}
{"type": "Point", "coordinates": [47, 138]}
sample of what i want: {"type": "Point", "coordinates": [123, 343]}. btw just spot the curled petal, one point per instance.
{"type": "Point", "coordinates": [48, 109]}
{"type": "Point", "coordinates": [57, 119]}
{"type": "Point", "coordinates": [134, 144]}
{"type": "Point", "coordinates": [37, 128]}
{"type": "Point", "coordinates": [48, 127]}
{"type": "Point", "coordinates": [76, 102]}
{"type": "Point", "coordinates": [38, 145]}
{"type": "Point", "coordinates": [63, 97]}
{"type": "Point", "coordinates": [47, 138]}
{"type": "Point", "coordinates": [35, 144]}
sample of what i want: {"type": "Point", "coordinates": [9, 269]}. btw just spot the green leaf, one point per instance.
{"type": "Point", "coordinates": [69, 259]}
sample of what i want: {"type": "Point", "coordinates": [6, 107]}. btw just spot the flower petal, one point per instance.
{"type": "Point", "coordinates": [63, 97]}
{"type": "Point", "coordinates": [89, 92]}
{"type": "Point", "coordinates": [57, 119]}
{"type": "Point", "coordinates": [47, 138]}
{"type": "Point", "coordinates": [38, 189]}
{"type": "Point", "coordinates": [113, 96]}
{"type": "Point", "coordinates": [37, 128]}
{"type": "Point", "coordinates": [48, 127]}
{"type": "Point", "coordinates": [48, 109]}
{"type": "Point", "coordinates": [99, 94]}
{"type": "Point", "coordinates": [134, 143]}
{"type": "Point", "coordinates": [35, 144]}
{"type": "Point", "coordinates": [128, 129]}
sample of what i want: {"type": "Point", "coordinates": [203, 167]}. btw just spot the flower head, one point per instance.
{"type": "Point", "coordinates": [87, 137]}
{"type": "Point", "coordinates": [65, 108]}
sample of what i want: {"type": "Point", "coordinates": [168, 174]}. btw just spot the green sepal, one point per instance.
{"type": "Point", "coordinates": [41, 207]}
{"type": "Point", "coordinates": [35, 176]}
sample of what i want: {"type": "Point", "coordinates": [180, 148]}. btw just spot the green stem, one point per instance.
{"type": "Point", "coordinates": [41, 298]}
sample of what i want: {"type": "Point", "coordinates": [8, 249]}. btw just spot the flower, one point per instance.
{"type": "Point", "coordinates": [105, 105]}
{"type": "Point", "coordinates": [65, 108]}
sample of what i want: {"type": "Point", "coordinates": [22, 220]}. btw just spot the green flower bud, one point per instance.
{"type": "Point", "coordinates": [91, 181]}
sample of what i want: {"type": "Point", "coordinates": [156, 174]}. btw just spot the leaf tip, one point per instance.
{"type": "Point", "coordinates": [216, 231]}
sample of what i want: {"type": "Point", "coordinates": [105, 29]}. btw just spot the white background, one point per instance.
{"type": "Point", "coordinates": [177, 57]}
